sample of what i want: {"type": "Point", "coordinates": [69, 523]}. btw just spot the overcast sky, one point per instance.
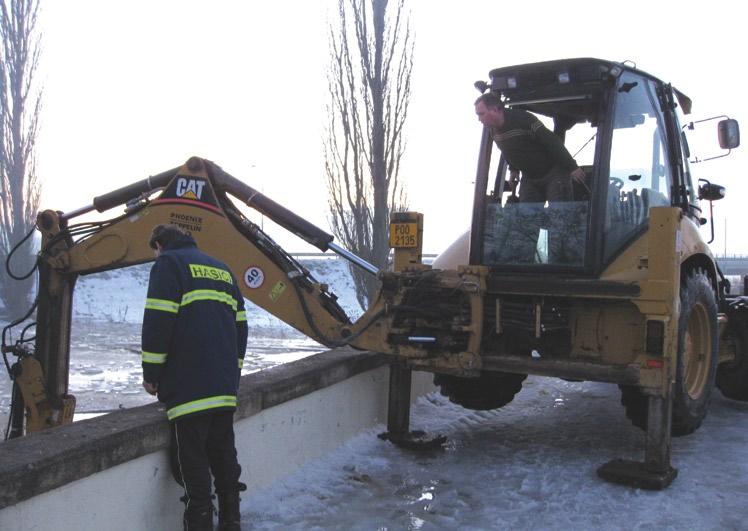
{"type": "Point", "coordinates": [135, 88]}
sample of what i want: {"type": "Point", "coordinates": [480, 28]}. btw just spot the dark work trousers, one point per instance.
{"type": "Point", "coordinates": [200, 445]}
{"type": "Point", "coordinates": [553, 186]}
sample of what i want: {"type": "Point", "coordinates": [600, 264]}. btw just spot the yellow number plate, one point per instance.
{"type": "Point", "coordinates": [403, 235]}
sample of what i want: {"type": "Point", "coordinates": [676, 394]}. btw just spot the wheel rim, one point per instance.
{"type": "Point", "coordinates": [696, 352]}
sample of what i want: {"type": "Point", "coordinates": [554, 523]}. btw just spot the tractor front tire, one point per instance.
{"type": "Point", "coordinates": [490, 390]}
{"type": "Point", "coordinates": [696, 369]}
{"type": "Point", "coordinates": [732, 377]}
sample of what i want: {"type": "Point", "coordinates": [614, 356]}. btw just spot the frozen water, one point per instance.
{"type": "Point", "coordinates": [529, 465]}
{"type": "Point", "coordinates": [118, 296]}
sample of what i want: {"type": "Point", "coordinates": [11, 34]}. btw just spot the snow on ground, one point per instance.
{"type": "Point", "coordinates": [529, 465]}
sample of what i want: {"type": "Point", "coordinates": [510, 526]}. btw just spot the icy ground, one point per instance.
{"type": "Point", "coordinates": [529, 465]}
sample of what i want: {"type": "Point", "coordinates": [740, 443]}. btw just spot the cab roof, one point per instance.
{"type": "Point", "coordinates": [564, 76]}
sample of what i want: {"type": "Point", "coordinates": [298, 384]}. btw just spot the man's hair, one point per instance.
{"type": "Point", "coordinates": [165, 234]}
{"type": "Point", "coordinates": [490, 99]}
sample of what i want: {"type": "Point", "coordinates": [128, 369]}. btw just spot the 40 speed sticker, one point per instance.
{"type": "Point", "coordinates": [254, 277]}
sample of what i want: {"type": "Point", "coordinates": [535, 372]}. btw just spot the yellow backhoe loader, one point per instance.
{"type": "Point", "coordinates": [616, 286]}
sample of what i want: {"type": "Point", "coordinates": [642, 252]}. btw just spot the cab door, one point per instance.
{"type": "Point", "coordinates": [639, 175]}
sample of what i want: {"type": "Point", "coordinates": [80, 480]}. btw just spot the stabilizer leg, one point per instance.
{"type": "Point", "coordinates": [398, 414]}
{"type": "Point", "coordinates": [655, 473]}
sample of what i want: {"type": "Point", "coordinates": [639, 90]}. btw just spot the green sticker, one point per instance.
{"type": "Point", "coordinates": [277, 290]}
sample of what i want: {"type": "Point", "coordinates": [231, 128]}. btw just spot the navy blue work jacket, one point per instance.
{"type": "Point", "coordinates": [194, 331]}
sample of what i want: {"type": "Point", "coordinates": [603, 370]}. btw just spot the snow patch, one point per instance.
{"type": "Point", "coordinates": [118, 296]}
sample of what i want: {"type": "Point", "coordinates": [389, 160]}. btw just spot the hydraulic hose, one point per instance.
{"type": "Point", "coordinates": [12, 252]}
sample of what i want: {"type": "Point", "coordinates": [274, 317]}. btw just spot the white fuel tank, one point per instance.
{"type": "Point", "coordinates": [454, 255]}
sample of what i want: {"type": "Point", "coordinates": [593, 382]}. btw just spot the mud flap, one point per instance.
{"type": "Point", "coordinates": [655, 473]}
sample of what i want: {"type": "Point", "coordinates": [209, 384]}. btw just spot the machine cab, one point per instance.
{"type": "Point", "coordinates": [621, 127]}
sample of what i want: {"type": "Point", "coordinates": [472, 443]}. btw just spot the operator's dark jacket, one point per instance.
{"type": "Point", "coordinates": [194, 331]}
{"type": "Point", "coordinates": [529, 146]}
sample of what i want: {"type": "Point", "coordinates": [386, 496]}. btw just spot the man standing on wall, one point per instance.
{"type": "Point", "coordinates": [194, 340]}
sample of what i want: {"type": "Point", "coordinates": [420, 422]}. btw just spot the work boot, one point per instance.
{"type": "Point", "coordinates": [229, 514]}
{"type": "Point", "coordinates": [198, 518]}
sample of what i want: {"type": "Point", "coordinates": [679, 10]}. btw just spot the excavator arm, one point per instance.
{"type": "Point", "coordinates": [198, 197]}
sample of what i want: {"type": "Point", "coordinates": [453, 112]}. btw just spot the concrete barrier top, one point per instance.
{"type": "Point", "coordinates": [46, 460]}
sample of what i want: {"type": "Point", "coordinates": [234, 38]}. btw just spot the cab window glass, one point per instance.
{"type": "Point", "coordinates": [540, 233]}
{"type": "Point", "coordinates": [639, 177]}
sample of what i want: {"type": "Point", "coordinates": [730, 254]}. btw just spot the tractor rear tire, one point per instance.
{"type": "Point", "coordinates": [696, 369]}
{"type": "Point", "coordinates": [490, 390]}
{"type": "Point", "coordinates": [732, 377]}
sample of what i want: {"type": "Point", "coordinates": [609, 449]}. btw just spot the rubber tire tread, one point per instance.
{"type": "Point", "coordinates": [732, 378]}
{"type": "Point", "coordinates": [688, 413]}
{"type": "Point", "coordinates": [490, 390]}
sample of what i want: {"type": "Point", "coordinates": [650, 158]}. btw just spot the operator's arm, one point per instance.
{"type": "Point", "coordinates": [161, 308]}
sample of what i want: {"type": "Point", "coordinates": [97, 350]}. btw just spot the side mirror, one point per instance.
{"type": "Point", "coordinates": [710, 192]}
{"type": "Point", "coordinates": [728, 132]}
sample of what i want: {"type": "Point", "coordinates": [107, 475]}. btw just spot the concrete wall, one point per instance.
{"type": "Point", "coordinates": [112, 472]}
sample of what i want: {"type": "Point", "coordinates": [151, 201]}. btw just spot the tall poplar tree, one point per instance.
{"type": "Point", "coordinates": [371, 61]}
{"type": "Point", "coordinates": [20, 104]}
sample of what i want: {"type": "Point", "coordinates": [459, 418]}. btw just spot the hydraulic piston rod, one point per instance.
{"type": "Point", "coordinates": [353, 258]}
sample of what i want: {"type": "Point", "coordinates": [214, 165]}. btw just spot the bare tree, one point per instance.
{"type": "Point", "coordinates": [20, 104]}
{"type": "Point", "coordinates": [371, 52]}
